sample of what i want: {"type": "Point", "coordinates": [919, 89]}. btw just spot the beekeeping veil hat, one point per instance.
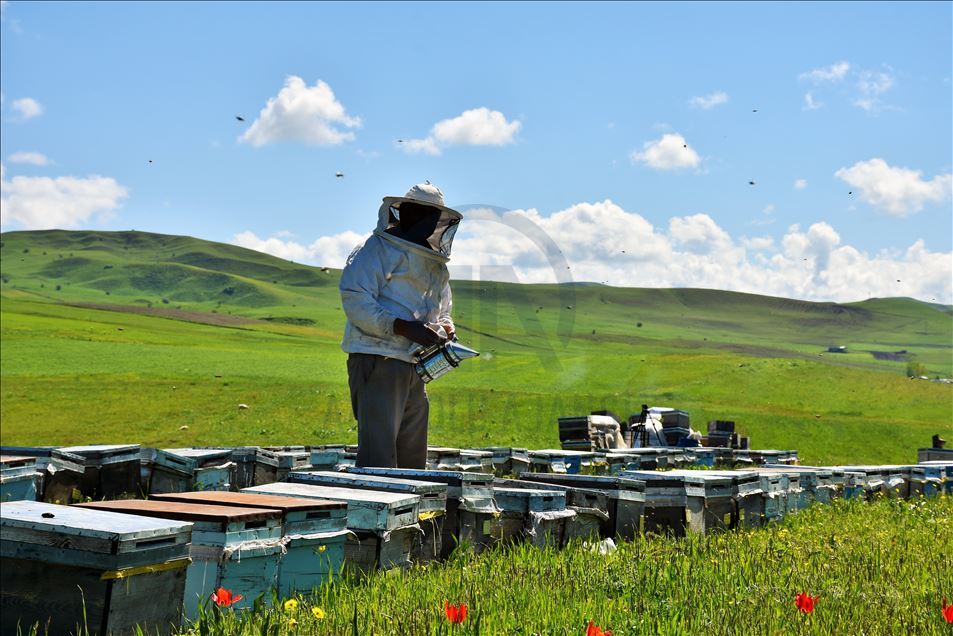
{"type": "Point", "coordinates": [441, 239]}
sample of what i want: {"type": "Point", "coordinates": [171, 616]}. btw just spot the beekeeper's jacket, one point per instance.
{"type": "Point", "coordinates": [387, 278]}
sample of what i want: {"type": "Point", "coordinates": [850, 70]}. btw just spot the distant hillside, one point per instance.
{"type": "Point", "coordinates": [189, 274]}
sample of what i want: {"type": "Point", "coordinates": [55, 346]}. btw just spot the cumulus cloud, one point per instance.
{"type": "Point", "coordinates": [27, 108]}
{"type": "Point", "coordinates": [474, 127]}
{"type": "Point", "coordinates": [41, 203]}
{"type": "Point", "coordinates": [709, 101]}
{"type": "Point", "coordinates": [329, 251]}
{"type": "Point", "coordinates": [32, 158]}
{"type": "Point", "coordinates": [671, 152]}
{"type": "Point", "coordinates": [302, 113]}
{"type": "Point", "coordinates": [896, 191]}
{"type": "Point", "coordinates": [602, 242]}
{"type": "Point", "coordinates": [833, 73]}
{"type": "Point", "coordinates": [800, 184]}
{"type": "Point", "coordinates": [871, 85]}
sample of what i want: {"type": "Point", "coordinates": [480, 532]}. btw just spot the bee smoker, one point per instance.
{"type": "Point", "coordinates": [438, 360]}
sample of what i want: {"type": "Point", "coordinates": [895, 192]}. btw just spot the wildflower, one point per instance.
{"type": "Point", "coordinates": [292, 623]}
{"type": "Point", "coordinates": [455, 613]}
{"type": "Point", "coordinates": [322, 548]}
{"type": "Point", "coordinates": [318, 612]}
{"type": "Point", "coordinates": [595, 630]}
{"type": "Point", "coordinates": [224, 598]}
{"type": "Point", "coordinates": [291, 605]}
{"type": "Point", "coordinates": [805, 602]}
{"type": "Point", "coordinates": [947, 611]}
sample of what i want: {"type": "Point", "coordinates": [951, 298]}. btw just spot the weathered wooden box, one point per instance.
{"type": "Point", "coordinates": [472, 514]}
{"type": "Point", "coordinates": [625, 499]}
{"type": "Point", "coordinates": [255, 466]}
{"type": "Point", "coordinates": [792, 494]}
{"type": "Point", "coordinates": [332, 457]}
{"type": "Point", "coordinates": [772, 496]}
{"type": "Point", "coordinates": [508, 461]}
{"type": "Point", "coordinates": [721, 500]}
{"type": "Point", "coordinates": [922, 480]}
{"type": "Point", "coordinates": [946, 472]}
{"type": "Point", "coordinates": [384, 523]}
{"type": "Point", "coordinates": [188, 469]}
{"type": "Point", "coordinates": [537, 516]}
{"type": "Point", "coordinates": [885, 480]}
{"type": "Point", "coordinates": [590, 508]}
{"type": "Point", "coordinates": [313, 533]}
{"type": "Point", "coordinates": [62, 567]}
{"type": "Point", "coordinates": [934, 455]}
{"type": "Point", "coordinates": [432, 510]}
{"type": "Point", "coordinates": [18, 478]}
{"type": "Point", "coordinates": [665, 501]}
{"type": "Point", "coordinates": [290, 460]}
{"type": "Point", "coordinates": [61, 475]}
{"type": "Point", "coordinates": [111, 470]}
{"type": "Point", "coordinates": [700, 456]}
{"type": "Point", "coordinates": [235, 548]}
{"type": "Point", "coordinates": [763, 456]}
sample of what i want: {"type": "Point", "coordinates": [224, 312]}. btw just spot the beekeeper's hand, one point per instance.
{"type": "Point", "coordinates": [417, 331]}
{"type": "Point", "coordinates": [451, 332]}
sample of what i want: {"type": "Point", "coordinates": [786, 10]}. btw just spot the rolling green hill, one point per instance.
{"type": "Point", "coordinates": [110, 336]}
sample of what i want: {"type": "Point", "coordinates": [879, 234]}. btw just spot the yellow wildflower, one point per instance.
{"type": "Point", "coordinates": [322, 548]}
{"type": "Point", "coordinates": [292, 622]}
{"type": "Point", "coordinates": [318, 612]}
{"type": "Point", "coordinates": [291, 605]}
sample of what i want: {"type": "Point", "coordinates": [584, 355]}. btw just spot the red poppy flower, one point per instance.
{"type": "Point", "coordinates": [224, 598]}
{"type": "Point", "coordinates": [805, 602]}
{"type": "Point", "coordinates": [455, 613]}
{"type": "Point", "coordinates": [947, 611]}
{"type": "Point", "coordinates": [595, 630]}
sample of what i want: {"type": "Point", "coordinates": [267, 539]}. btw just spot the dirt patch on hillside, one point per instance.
{"type": "Point", "coordinates": [201, 317]}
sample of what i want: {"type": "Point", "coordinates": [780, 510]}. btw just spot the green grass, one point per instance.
{"type": "Point", "coordinates": [879, 568]}
{"type": "Point", "coordinates": [73, 357]}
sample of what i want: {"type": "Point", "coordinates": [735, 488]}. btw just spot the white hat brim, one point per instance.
{"type": "Point", "coordinates": [390, 201]}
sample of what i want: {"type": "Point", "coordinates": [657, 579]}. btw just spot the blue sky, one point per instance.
{"type": "Point", "coordinates": [611, 126]}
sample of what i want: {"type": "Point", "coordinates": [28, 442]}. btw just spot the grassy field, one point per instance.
{"type": "Point", "coordinates": [134, 337]}
{"type": "Point", "coordinates": [879, 568]}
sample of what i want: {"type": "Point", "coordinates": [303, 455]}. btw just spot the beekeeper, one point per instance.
{"type": "Point", "coordinates": [395, 289]}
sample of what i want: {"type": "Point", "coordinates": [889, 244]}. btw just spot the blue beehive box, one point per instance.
{"type": "Point", "coordinates": [63, 567]}
{"type": "Point", "coordinates": [332, 457]}
{"type": "Point", "coordinates": [61, 475]}
{"type": "Point", "coordinates": [560, 461]}
{"type": "Point", "coordinates": [472, 513]}
{"type": "Point", "coordinates": [432, 507]}
{"type": "Point", "coordinates": [625, 499]}
{"type": "Point", "coordinates": [537, 516]}
{"type": "Point", "coordinates": [384, 523]}
{"type": "Point", "coordinates": [18, 478]}
{"type": "Point", "coordinates": [945, 468]}
{"type": "Point", "coordinates": [189, 469]}
{"type": "Point", "coordinates": [591, 508]}
{"type": "Point", "coordinates": [313, 533]}
{"type": "Point", "coordinates": [665, 501]}
{"type": "Point", "coordinates": [234, 548]}
{"type": "Point", "coordinates": [112, 471]}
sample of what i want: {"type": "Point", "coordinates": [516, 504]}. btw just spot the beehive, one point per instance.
{"type": "Point", "coordinates": [18, 478]}
{"type": "Point", "coordinates": [590, 508]}
{"type": "Point", "coordinates": [111, 471]}
{"type": "Point", "coordinates": [432, 510]}
{"type": "Point", "coordinates": [384, 523]}
{"type": "Point", "coordinates": [665, 501]}
{"type": "Point", "coordinates": [537, 516]}
{"type": "Point", "coordinates": [313, 533]}
{"type": "Point", "coordinates": [188, 469]}
{"type": "Point", "coordinates": [235, 548]}
{"type": "Point", "coordinates": [625, 499]}
{"type": "Point", "coordinates": [472, 513]}
{"type": "Point", "coordinates": [64, 566]}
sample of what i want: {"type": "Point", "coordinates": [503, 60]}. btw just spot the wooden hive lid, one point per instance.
{"type": "Point", "coordinates": [284, 489]}
{"type": "Point", "coordinates": [41, 517]}
{"type": "Point", "coordinates": [183, 511]}
{"type": "Point", "coordinates": [252, 500]}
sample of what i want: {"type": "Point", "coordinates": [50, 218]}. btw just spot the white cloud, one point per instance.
{"type": "Point", "coordinates": [896, 191]}
{"type": "Point", "coordinates": [809, 103]}
{"type": "Point", "coordinates": [871, 85]}
{"type": "Point", "coordinates": [474, 127]}
{"type": "Point", "coordinates": [27, 107]}
{"type": "Point", "coordinates": [329, 251]}
{"type": "Point", "coordinates": [671, 152]}
{"type": "Point", "coordinates": [757, 243]}
{"type": "Point", "coordinates": [800, 184]}
{"type": "Point", "coordinates": [709, 101]}
{"type": "Point", "coordinates": [833, 73]}
{"type": "Point", "coordinates": [33, 158]}
{"type": "Point", "coordinates": [39, 203]}
{"type": "Point", "coordinates": [302, 113]}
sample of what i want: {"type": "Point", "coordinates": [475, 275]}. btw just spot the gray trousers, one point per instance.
{"type": "Point", "coordinates": [391, 407]}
